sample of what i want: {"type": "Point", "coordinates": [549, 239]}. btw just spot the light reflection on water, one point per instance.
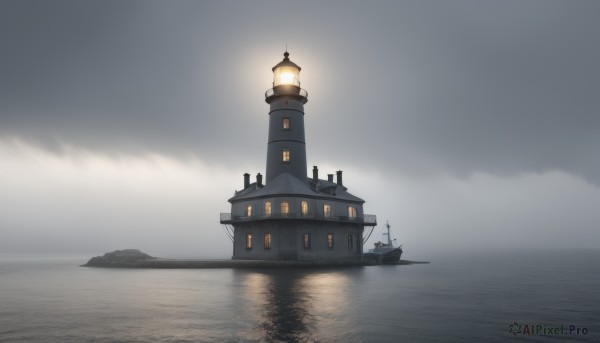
{"type": "Point", "coordinates": [285, 303]}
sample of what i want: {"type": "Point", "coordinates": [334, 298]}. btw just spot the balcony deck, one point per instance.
{"type": "Point", "coordinates": [293, 91]}
{"type": "Point", "coordinates": [367, 219]}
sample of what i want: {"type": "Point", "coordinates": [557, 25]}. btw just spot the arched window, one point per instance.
{"type": "Point", "coordinates": [326, 211]}
{"type": "Point", "coordinates": [267, 208]}
{"type": "Point", "coordinates": [249, 211]}
{"type": "Point", "coordinates": [350, 242]}
{"type": "Point", "coordinates": [330, 240]}
{"type": "Point", "coordinates": [351, 212]}
{"type": "Point", "coordinates": [267, 241]}
{"type": "Point", "coordinates": [248, 241]}
{"type": "Point", "coordinates": [286, 123]}
{"type": "Point", "coordinates": [304, 207]}
{"type": "Point", "coordinates": [285, 208]}
{"type": "Point", "coordinates": [307, 241]}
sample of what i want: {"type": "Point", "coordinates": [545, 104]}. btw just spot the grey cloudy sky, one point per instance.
{"type": "Point", "coordinates": [475, 118]}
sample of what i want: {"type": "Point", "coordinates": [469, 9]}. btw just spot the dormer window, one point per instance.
{"type": "Point", "coordinates": [285, 155]}
{"type": "Point", "coordinates": [286, 123]}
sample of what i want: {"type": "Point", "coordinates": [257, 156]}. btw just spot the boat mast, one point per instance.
{"type": "Point", "coordinates": [387, 224]}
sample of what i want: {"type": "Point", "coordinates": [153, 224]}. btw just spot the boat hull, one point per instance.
{"type": "Point", "coordinates": [387, 256]}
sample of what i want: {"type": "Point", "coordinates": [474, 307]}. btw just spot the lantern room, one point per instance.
{"type": "Point", "coordinates": [286, 81]}
{"type": "Point", "coordinates": [286, 73]}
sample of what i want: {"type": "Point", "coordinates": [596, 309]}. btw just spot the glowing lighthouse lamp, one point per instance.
{"type": "Point", "coordinates": [286, 80]}
{"type": "Point", "coordinates": [286, 72]}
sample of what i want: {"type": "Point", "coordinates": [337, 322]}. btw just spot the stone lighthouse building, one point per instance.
{"type": "Point", "coordinates": [292, 216]}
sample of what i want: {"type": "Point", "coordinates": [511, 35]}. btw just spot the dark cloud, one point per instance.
{"type": "Point", "coordinates": [423, 87]}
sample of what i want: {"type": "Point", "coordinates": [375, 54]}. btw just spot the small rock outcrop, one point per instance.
{"type": "Point", "coordinates": [120, 258]}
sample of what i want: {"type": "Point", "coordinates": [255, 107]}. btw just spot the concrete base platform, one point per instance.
{"type": "Point", "coordinates": [191, 264]}
{"type": "Point", "coordinates": [132, 258]}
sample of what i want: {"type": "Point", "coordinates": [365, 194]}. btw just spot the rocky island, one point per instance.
{"type": "Point", "coordinates": [128, 258]}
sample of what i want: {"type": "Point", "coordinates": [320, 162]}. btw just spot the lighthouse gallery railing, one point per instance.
{"type": "Point", "coordinates": [366, 219]}
{"type": "Point", "coordinates": [301, 92]}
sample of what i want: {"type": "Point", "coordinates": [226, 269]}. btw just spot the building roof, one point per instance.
{"type": "Point", "coordinates": [285, 184]}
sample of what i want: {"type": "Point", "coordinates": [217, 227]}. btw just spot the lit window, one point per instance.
{"type": "Point", "coordinates": [249, 211]}
{"type": "Point", "coordinates": [248, 241]}
{"type": "Point", "coordinates": [286, 123]}
{"type": "Point", "coordinates": [267, 208]}
{"type": "Point", "coordinates": [350, 242]}
{"type": "Point", "coordinates": [304, 208]}
{"type": "Point", "coordinates": [285, 155]}
{"type": "Point", "coordinates": [330, 240]}
{"type": "Point", "coordinates": [326, 210]}
{"type": "Point", "coordinates": [307, 241]}
{"type": "Point", "coordinates": [285, 208]}
{"type": "Point", "coordinates": [267, 241]}
{"type": "Point", "coordinates": [351, 212]}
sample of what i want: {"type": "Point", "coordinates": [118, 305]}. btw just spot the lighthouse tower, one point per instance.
{"type": "Point", "coordinates": [286, 150]}
{"type": "Point", "coordinates": [292, 216]}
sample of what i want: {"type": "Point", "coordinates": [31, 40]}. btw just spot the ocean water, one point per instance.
{"type": "Point", "coordinates": [456, 298]}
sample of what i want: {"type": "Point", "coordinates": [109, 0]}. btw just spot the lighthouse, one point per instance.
{"type": "Point", "coordinates": [293, 216]}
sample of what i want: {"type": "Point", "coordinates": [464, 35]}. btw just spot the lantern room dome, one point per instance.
{"type": "Point", "coordinates": [286, 62]}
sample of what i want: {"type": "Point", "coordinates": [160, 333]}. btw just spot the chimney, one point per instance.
{"type": "Point", "coordinates": [315, 174]}
{"type": "Point", "coordinates": [339, 178]}
{"type": "Point", "coordinates": [330, 177]}
{"type": "Point", "coordinates": [246, 180]}
{"type": "Point", "coordinates": [259, 180]}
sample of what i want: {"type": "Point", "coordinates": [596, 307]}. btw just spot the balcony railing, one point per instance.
{"type": "Point", "coordinates": [301, 92]}
{"type": "Point", "coordinates": [367, 219]}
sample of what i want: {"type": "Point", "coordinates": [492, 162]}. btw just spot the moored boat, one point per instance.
{"type": "Point", "coordinates": [385, 252]}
